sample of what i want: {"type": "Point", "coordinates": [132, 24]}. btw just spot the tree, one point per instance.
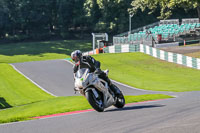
{"type": "Point", "coordinates": [166, 6]}
{"type": "Point", "coordinates": [4, 19]}
{"type": "Point", "coordinates": [92, 12]}
{"type": "Point", "coordinates": [108, 15]}
{"type": "Point", "coordinates": [14, 15]}
{"type": "Point", "coordinates": [71, 17]}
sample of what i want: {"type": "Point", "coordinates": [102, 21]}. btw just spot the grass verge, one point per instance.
{"type": "Point", "coordinates": [195, 54]}
{"type": "Point", "coordinates": [60, 105]}
{"type": "Point", "coordinates": [16, 90]}
{"type": "Point", "coordinates": [145, 72]}
{"type": "Point", "coordinates": [197, 44]}
{"type": "Point", "coordinates": [139, 70]}
{"type": "Point", "coordinates": [35, 51]}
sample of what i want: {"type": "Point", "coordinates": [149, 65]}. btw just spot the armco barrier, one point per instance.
{"type": "Point", "coordinates": [117, 49]}
{"type": "Point", "coordinates": [122, 48]}
{"type": "Point", "coordinates": [90, 52]}
{"type": "Point", "coordinates": [163, 55]}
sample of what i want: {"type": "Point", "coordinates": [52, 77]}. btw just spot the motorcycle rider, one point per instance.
{"type": "Point", "coordinates": [89, 62]}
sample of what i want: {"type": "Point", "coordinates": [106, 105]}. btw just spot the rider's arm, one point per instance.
{"type": "Point", "coordinates": [96, 64]}
{"type": "Point", "coordinates": [75, 68]}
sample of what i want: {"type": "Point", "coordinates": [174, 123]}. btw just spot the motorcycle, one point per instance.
{"type": "Point", "coordinates": [96, 90]}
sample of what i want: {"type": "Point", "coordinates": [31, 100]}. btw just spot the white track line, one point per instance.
{"type": "Point", "coordinates": [32, 81]}
{"type": "Point", "coordinates": [54, 95]}
{"type": "Point", "coordinates": [68, 61]}
{"type": "Point", "coordinates": [130, 87]}
{"type": "Point", "coordinates": [118, 82]}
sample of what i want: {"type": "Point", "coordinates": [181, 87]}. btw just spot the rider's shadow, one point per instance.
{"type": "Point", "coordinates": [133, 107]}
{"type": "Point", "coordinates": [4, 104]}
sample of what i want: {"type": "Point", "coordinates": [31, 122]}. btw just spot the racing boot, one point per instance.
{"type": "Point", "coordinates": [116, 91]}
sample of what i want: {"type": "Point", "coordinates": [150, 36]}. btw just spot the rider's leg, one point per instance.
{"type": "Point", "coordinates": [112, 87]}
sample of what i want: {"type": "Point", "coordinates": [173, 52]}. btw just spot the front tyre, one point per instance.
{"type": "Point", "coordinates": [96, 103]}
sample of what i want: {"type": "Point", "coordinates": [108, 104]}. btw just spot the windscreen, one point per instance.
{"type": "Point", "coordinates": [81, 71]}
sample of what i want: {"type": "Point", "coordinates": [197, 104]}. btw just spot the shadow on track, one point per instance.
{"type": "Point", "coordinates": [133, 107]}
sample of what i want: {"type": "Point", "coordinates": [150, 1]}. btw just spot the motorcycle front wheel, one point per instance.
{"type": "Point", "coordinates": [96, 103]}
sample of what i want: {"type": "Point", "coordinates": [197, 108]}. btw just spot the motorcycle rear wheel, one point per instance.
{"type": "Point", "coordinates": [97, 104]}
{"type": "Point", "coordinates": [120, 100]}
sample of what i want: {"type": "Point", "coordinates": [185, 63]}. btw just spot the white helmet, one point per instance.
{"type": "Point", "coordinates": [76, 55]}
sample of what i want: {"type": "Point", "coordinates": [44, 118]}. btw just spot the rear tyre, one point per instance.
{"type": "Point", "coordinates": [120, 99]}
{"type": "Point", "coordinates": [96, 103]}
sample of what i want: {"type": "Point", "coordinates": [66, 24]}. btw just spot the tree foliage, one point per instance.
{"type": "Point", "coordinates": [166, 6]}
{"type": "Point", "coordinates": [44, 19]}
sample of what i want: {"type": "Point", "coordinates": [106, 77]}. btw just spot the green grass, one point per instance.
{"type": "Point", "coordinates": [60, 105]}
{"type": "Point", "coordinates": [195, 54]}
{"type": "Point", "coordinates": [35, 51]}
{"type": "Point", "coordinates": [17, 90]}
{"type": "Point", "coordinates": [145, 72]}
{"type": "Point", "coordinates": [24, 100]}
{"type": "Point", "coordinates": [188, 45]}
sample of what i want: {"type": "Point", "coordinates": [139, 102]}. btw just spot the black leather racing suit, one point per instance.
{"type": "Point", "coordinates": [93, 65]}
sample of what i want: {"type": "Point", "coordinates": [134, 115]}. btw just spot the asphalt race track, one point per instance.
{"type": "Point", "coordinates": [176, 115]}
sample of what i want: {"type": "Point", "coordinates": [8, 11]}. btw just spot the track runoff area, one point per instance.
{"type": "Point", "coordinates": [139, 117]}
